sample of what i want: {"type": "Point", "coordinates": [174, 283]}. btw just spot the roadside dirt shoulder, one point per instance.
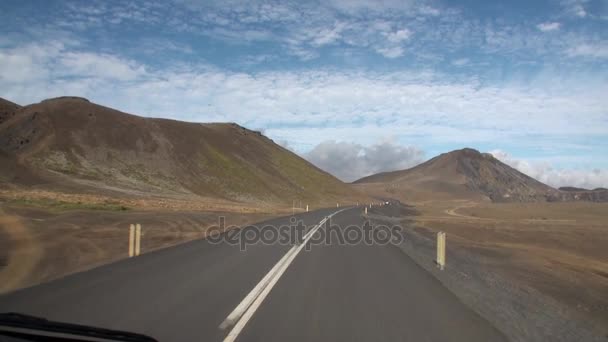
{"type": "Point", "coordinates": [519, 310]}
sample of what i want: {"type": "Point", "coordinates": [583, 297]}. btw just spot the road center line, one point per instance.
{"type": "Point", "coordinates": [253, 294]}
{"type": "Point", "coordinates": [247, 307]}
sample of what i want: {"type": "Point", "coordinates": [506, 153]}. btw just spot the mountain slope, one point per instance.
{"type": "Point", "coordinates": [465, 174]}
{"type": "Point", "coordinates": [71, 143]}
{"type": "Point", "coordinates": [7, 110]}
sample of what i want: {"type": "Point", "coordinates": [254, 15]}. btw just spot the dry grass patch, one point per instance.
{"type": "Point", "coordinates": [38, 244]}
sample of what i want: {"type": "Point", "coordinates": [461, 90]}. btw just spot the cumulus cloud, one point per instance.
{"type": "Point", "coordinates": [351, 161]}
{"type": "Point", "coordinates": [546, 173]}
{"type": "Point", "coordinates": [548, 26]}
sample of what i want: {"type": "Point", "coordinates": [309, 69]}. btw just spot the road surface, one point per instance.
{"type": "Point", "coordinates": [201, 291]}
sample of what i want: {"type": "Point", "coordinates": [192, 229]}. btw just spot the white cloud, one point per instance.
{"type": "Point", "coordinates": [428, 10]}
{"type": "Point", "coordinates": [367, 6]}
{"type": "Point", "coordinates": [546, 173]}
{"type": "Point", "coordinates": [575, 7]}
{"type": "Point", "coordinates": [391, 52]}
{"type": "Point", "coordinates": [328, 35]}
{"type": "Point", "coordinates": [351, 161]}
{"type": "Point", "coordinates": [303, 53]}
{"type": "Point", "coordinates": [579, 10]}
{"type": "Point", "coordinates": [54, 60]}
{"type": "Point", "coordinates": [305, 107]}
{"type": "Point", "coordinates": [460, 62]}
{"type": "Point", "coordinates": [398, 36]}
{"type": "Point", "coordinates": [392, 44]}
{"type": "Point", "coordinates": [548, 26]}
{"type": "Point", "coordinates": [302, 29]}
{"type": "Point", "coordinates": [83, 64]}
{"type": "Point", "coordinates": [27, 63]}
{"type": "Point", "coordinates": [599, 50]}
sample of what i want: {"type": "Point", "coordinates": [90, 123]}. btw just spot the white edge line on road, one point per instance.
{"type": "Point", "coordinates": [256, 296]}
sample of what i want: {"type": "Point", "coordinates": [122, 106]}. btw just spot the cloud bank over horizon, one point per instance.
{"type": "Point", "coordinates": [349, 161]}
{"type": "Point", "coordinates": [544, 172]}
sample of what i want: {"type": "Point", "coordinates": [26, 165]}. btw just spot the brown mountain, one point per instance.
{"type": "Point", "coordinates": [72, 144]}
{"type": "Point", "coordinates": [7, 110]}
{"type": "Point", "coordinates": [465, 174]}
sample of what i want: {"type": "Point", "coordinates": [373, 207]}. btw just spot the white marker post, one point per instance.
{"type": "Point", "coordinates": [307, 208]}
{"type": "Point", "coordinates": [131, 240]}
{"type": "Point", "coordinates": [365, 210]}
{"type": "Point", "coordinates": [441, 250]}
{"type": "Point", "coordinates": [137, 239]}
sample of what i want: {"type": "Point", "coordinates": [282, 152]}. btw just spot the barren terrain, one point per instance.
{"type": "Point", "coordinates": [44, 240]}
{"type": "Point", "coordinates": [75, 174]}
{"type": "Point", "coordinates": [549, 240]}
{"type": "Point", "coordinates": [558, 249]}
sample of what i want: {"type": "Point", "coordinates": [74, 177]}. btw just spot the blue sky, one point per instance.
{"type": "Point", "coordinates": [378, 85]}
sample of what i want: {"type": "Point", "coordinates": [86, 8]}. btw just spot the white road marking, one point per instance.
{"type": "Point", "coordinates": [246, 302]}
{"type": "Point", "coordinates": [252, 301]}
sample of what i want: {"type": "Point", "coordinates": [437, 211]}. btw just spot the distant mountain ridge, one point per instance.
{"type": "Point", "coordinates": [571, 188]}
{"type": "Point", "coordinates": [569, 193]}
{"type": "Point", "coordinates": [467, 173]}
{"type": "Point", "coordinates": [70, 143]}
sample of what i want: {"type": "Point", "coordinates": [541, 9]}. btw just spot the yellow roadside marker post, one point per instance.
{"type": "Point", "coordinates": [131, 240]}
{"type": "Point", "coordinates": [137, 239]}
{"type": "Point", "coordinates": [441, 250]}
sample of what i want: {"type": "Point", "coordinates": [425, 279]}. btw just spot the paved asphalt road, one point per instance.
{"type": "Point", "coordinates": [330, 293]}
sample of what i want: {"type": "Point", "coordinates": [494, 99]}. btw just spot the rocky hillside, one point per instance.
{"type": "Point", "coordinates": [75, 145]}
{"type": "Point", "coordinates": [467, 173]}
{"type": "Point", "coordinates": [7, 110]}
